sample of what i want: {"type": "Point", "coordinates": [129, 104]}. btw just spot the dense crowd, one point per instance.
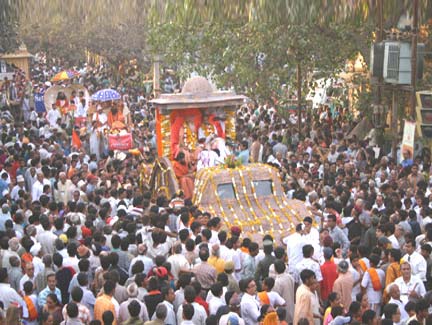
{"type": "Point", "coordinates": [83, 241]}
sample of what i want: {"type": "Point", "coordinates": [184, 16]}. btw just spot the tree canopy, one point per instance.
{"type": "Point", "coordinates": [252, 45]}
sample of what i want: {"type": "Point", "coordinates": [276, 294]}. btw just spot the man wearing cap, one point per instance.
{"type": "Point", "coordinates": [344, 284]}
{"type": "Point", "coordinates": [18, 187]}
{"type": "Point", "coordinates": [232, 281]}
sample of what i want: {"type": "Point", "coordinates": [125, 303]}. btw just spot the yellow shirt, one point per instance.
{"type": "Point", "coordinates": [217, 263]}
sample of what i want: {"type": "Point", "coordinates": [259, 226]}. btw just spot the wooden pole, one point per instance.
{"type": "Point", "coordinates": [414, 59]}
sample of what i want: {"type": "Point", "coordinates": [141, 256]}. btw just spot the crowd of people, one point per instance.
{"type": "Point", "coordinates": [84, 242]}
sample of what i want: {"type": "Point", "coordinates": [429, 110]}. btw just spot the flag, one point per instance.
{"type": "Point", "coordinates": [76, 141]}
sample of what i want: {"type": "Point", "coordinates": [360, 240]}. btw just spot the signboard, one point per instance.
{"type": "Point", "coordinates": [408, 138]}
{"type": "Point", "coordinates": [120, 142]}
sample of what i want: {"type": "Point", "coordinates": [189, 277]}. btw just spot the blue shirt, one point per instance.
{"type": "Point", "coordinates": [244, 157]}
{"type": "Point", "coordinates": [39, 102]}
{"type": "Point", "coordinates": [407, 162]}
{"type": "Point", "coordinates": [44, 294]}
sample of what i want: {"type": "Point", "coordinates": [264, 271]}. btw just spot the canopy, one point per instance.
{"type": "Point", "coordinates": [65, 75]}
{"type": "Point", "coordinates": [106, 95]}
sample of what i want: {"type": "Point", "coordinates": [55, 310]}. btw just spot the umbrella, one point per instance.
{"type": "Point", "coordinates": [65, 75]}
{"type": "Point", "coordinates": [105, 95]}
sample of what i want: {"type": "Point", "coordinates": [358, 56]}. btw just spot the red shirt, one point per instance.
{"type": "Point", "coordinates": [329, 274]}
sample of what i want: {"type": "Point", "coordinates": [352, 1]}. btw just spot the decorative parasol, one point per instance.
{"type": "Point", "coordinates": [65, 75]}
{"type": "Point", "coordinates": [105, 95]}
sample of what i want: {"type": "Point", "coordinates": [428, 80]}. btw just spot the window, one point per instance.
{"type": "Point", "coordinates": [226, 191]}
{"type": "Point", "coordinates": [263, 188]}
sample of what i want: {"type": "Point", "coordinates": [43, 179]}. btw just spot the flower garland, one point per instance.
{"type": "Point", "coordinates": [257, 221]}
{"type": "Point", "coordinates": [189, 137]}
{"type": "Point", "coordinates": [230, 131]}
{"type": "Point", "coordinates": [166, 132]}
{"type": "Point", "coordinates": [258, 203]}
{"type": "Point", "coordinates": [285, 203]}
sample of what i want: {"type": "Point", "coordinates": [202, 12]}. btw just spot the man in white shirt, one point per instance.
{"type": "Point", "coordinates": [294, 244]}
{"type": "Point", "coordinates": [46, 237]}
{"type": "Point", "coordinates": [416, 260]}
{"type": "Point", "coordinates": [395, 298]}
{"type": "Point", "coordinates": [19, 186]}
{"type": "Point", "coordinates": [52, 116]}
{"type": "Point", "coordinates": [28, 276]}
{"type": "Point", "coordinates": [308, 263]}
{"type": "Point", "coordinates": [217, 300]}
{"type": "Point", "coordinates": [37, 189]}
{"type": "Point", "coordinates": [249, 306]}
{"type": "Point", "coordinates": [199, 314]}
{"type": "Point", "coordinates": [178, 261]}
{"type": "Point", "coordinates": [410, 286]}
{"type": "Point", "coordinates": [147, 261]}
{"type": "Point", "coordinates": [374, 294]}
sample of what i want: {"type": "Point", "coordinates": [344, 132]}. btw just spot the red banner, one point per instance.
{"type": "Point", "coordinates": [120, 142]}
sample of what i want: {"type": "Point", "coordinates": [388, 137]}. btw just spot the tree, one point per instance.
{"type": "Point", "coordinates": [9, 40]}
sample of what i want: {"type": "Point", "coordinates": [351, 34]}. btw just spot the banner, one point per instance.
{"type": "Point", "coordinates": [408, 139]}
{"type": "Point", "coordinates": [120, 142]}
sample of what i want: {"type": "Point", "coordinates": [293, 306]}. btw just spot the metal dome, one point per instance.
{"type": "Point", "coordinates": [197, 85]}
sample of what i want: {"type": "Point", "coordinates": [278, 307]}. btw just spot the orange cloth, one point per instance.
{"type": "Point", "coordinates": [26, 258]}
{"type": "Point", "coordinates": [376, 283]}
{"type": "Point", "coordinates": [33, 314]}
{"type": "Point", "coordinates": [217, 124]}
{"type": "Point", "coordinates": [270, 318]}
{"type": "Point", "coordinates": [71, 172]}
{"type": "Point", "coordinates": [102, 304]}
{"type": "Point", "coordinates": [177, 118]}
{"type": "Point", "coordinates": [393, 272]}
{"type": "Point", "coordinates": [113, 118]}
{"type": "Point", "coordinates": [363, 265]}
{"type": "Point", "coordinates": [186, 182]}
{"type": "Point", "coordinates": [263, 298]}
{"type": "Point", "coordinates": [76, 141]}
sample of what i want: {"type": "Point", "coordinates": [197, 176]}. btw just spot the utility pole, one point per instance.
{"type": "Point", "coordinates": [394, 122]}
{"type": "Point", "coordinates": [380, 37]}
{"type": "Point", "coordinates": [414, 58]}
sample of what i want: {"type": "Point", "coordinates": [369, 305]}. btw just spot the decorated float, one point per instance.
{"type": "Point", "coordinates": [198, 111]}
{"type": "Point", "coordinates": [251, 196]}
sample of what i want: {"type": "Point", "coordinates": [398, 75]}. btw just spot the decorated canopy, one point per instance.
{"type": "Point", "coordinates": [179, 117]}
{"type": "Point", "coordinates": [250, 197]}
